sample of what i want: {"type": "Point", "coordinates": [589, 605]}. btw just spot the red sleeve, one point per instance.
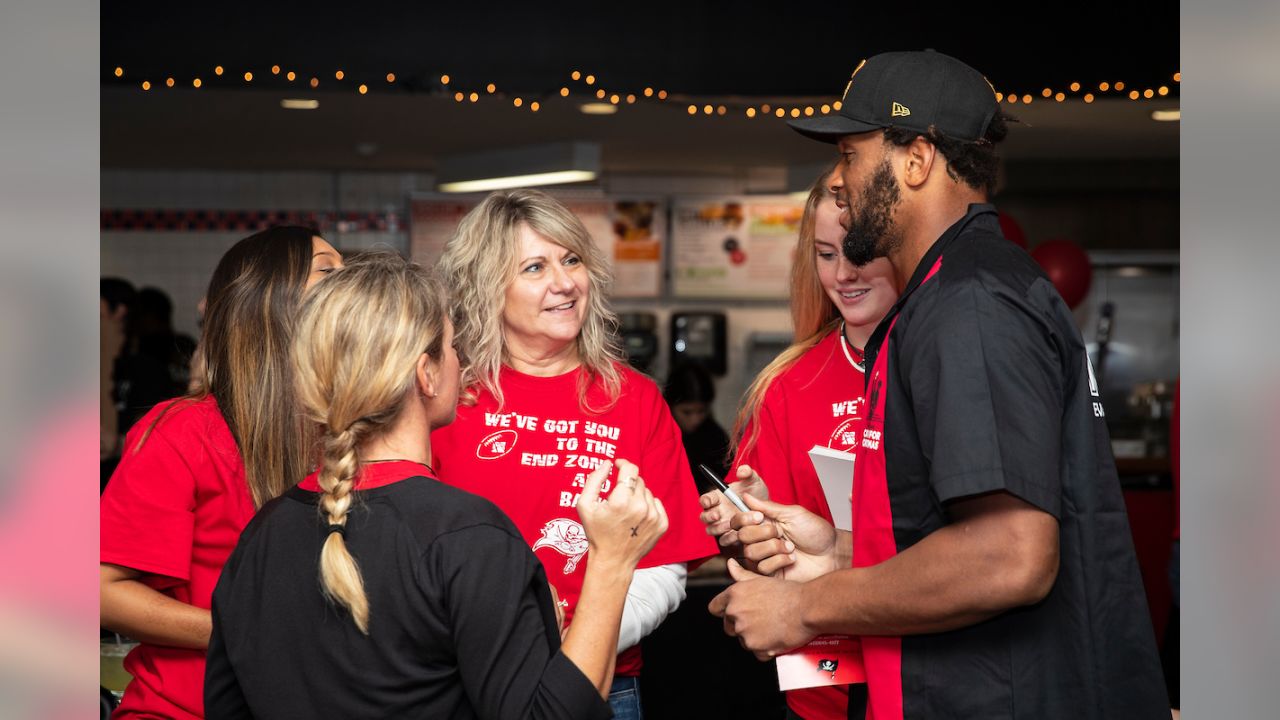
{"type": "Point", "coordinates": [148, 508]}
{"type": "Point", "coordinates": [665, 469]}
{"type": "Point", "coordinates": [769, 456]}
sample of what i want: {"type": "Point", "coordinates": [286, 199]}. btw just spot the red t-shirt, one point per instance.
{"type": "Point", "coordinates": [174, 510]}
{"type": "Point", "coordinates": [816, 401]}
{"type": "Point", "coordinates": [531, 459]}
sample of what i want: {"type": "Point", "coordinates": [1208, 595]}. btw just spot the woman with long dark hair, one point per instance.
{"type": "Point", "coordinates": [195, 469]}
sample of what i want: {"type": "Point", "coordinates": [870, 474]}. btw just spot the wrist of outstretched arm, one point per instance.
{"type": "Point", "coordinates": [609, 570]}
{"type": "Point", "coordinates": [825, 602]}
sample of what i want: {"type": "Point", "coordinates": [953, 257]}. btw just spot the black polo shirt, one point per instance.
{"type": "Point", "coordinates": [987, 387]}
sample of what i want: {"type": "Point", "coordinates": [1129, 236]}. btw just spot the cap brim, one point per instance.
{"type": "Point", "coordinates": [830, 128]}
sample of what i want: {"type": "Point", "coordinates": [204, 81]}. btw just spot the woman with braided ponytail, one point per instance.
{"type": "Point", "coordinates": [429, 603]}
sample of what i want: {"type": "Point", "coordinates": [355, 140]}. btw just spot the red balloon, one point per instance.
{"type": "Point", "coordinates": [1067, 266]}
{"type": "Point", "coordinates": [1013, 231]}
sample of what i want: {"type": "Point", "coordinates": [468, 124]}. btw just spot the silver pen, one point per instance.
{"type": "Point", "coordinates": [733, 496]}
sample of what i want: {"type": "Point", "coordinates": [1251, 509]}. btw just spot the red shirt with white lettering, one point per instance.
{"type": "Point", "coordinates": [174, 510]}
{"type": "Point", "coordinates": [531, 458]}
{"type": "Point", "coordinates": [816, 401]}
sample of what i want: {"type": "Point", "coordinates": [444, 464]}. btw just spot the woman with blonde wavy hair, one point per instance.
{"type": "Point", "coordinates": [429, 603]}
{"type": "Point", "coordinates": [195, 469]}
{"type": "Point", "coordinates": [548, 400]}
{"type": "Point", "coordinates": [811, 394]}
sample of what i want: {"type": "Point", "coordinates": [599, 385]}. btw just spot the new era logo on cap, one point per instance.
{"type": "Point", "coordinates": [913, 90]}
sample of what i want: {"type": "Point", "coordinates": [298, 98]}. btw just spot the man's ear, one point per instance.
{"type": "Point", "coordinates": [918, 160]}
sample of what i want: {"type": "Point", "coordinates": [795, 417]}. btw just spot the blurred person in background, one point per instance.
{"type": "Point", "coordinates": [195, 469]}
{"type": "Point", "coordinates": [690, 391]}
{"type": "Point", "coordinates": [157, 339]}
{"type": "Point", "coordinates": [428, 603]}
{"type": "Point", "coordinates": [114, 299]}
{"type": "Point", "coordinates": [149, 361]}
{"type": "Point", "coordinates": [547, 398]}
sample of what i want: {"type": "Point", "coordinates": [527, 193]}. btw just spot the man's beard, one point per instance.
{"type": "Point", "coordinates": [871, 230]}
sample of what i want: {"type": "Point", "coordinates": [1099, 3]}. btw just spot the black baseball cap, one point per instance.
{"type": "Point", "coordinates": [916, 90]}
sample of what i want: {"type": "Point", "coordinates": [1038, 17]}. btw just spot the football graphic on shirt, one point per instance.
{"type": "Point", "coordinates": [567, 538]}
{"type": "Point", "coordinates": [844, 437]}
{"type": "Point", "coordinates": [496, 445]}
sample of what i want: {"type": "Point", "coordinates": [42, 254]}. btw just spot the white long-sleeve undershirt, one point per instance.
{"type": "Point", "coordinates": [654, 594]}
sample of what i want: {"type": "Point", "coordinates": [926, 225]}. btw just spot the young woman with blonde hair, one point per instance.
{"type": "Point", "coordinates": [811, 394]}
{"type": "Point", "coordinates": [195, 469]}
{"type": "Point", "coordinates": [548, 400]}
{"type": "Point", "coordinates": [373, 590]}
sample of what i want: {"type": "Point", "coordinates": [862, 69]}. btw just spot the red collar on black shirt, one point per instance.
{"type": "Point", "coordinates": [377, 474]}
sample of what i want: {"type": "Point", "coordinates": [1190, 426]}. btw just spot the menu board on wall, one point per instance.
{"type": "Point", "coordinates": [639, 230]}
{"type": "Point", "coordinates": [734, 247]}
{"type": "Point", "coordinates": [629, 232]}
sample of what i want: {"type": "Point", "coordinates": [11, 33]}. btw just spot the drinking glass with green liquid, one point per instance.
{"type": "Point", "coordinates": [113, 676]}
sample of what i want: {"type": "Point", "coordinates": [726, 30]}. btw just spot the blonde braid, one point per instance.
{"type": "Point", "coordinates": [339, 572]}
{"type": "Point", "coordinates": [360, 335]}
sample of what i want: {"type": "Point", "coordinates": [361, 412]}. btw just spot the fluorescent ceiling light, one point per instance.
{"type": "Point", "coordinates": [512, 181]}
{"type": "Point", "coordinates": [524, 166]}
{"type": "Point", "coordinates": [600, 108]}
{"type": "Point", "coordinates": [299, 104]}
{"type": "Point", "coordinates": [1173, 115]}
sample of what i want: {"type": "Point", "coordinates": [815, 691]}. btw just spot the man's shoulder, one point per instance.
{"type": "Point", "coordinates": [982, 272]}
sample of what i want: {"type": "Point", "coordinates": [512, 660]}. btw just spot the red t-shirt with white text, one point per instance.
{"type": "Point", "coordinates": [816, 401]}
{"type": "Point", "coordinates": [174, 510]}
{"type": "Point", "coordinates": [531, 459]}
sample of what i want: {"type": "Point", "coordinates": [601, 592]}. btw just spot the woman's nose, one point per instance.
{"type": "Point", "coordinates": [560, 279]}
{"type": "Point", "coordinates": [845, 270]}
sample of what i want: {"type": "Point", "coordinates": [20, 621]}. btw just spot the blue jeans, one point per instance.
{"type": "Point", "coordinates": [624, 698]}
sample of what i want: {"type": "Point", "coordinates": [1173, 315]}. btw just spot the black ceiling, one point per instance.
{"type": "Point", "coordinates": [686, 48]}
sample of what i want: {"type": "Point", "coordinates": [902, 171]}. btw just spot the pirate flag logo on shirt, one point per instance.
{"type": "Point", "coordinates": [567, 538]}
{"type": "Point", "coordinates": [828, 666]}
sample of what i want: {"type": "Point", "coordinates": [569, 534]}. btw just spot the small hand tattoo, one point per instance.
{"type": "Point", "coordinates": [633, 530]}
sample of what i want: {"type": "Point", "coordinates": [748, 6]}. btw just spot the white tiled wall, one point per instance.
{"type": "Point", "coordinates": [180, 263]}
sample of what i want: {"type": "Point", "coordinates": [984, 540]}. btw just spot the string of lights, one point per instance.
{"type": "Point", "coordinates": [606, 101]}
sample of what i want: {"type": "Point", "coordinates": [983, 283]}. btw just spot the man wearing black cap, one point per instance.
{"type": "Point", "coordinates": [990, 571]}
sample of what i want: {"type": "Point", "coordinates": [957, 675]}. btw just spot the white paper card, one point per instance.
{"type": "Point", "coordinates": [835, 472]}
